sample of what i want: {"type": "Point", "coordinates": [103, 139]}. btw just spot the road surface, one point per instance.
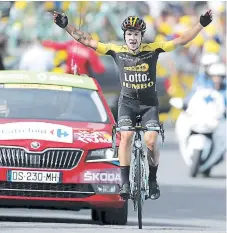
{"type": "Point", "coordinates": [186, 205]}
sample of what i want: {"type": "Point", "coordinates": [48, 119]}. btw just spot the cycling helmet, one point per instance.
{"type": "Point", "coordinates": [217, 69]}
{"type": "Point", "coordinates": [134, 22]}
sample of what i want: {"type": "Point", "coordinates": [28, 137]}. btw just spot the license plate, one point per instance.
{"type": "Point", "coordinates": [34, 176]}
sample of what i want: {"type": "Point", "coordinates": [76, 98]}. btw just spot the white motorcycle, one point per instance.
{"type": "Point", "coordinates": [201, 131]}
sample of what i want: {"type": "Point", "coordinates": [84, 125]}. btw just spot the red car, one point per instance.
{"type": "Point", "coordinates": [55, 145]}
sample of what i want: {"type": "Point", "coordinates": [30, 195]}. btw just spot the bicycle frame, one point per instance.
{"type": "Point", "coordinates": [139, 183]}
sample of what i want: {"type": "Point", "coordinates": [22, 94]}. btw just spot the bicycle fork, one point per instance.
{"type": "Point", "coordinates": [138, 151]}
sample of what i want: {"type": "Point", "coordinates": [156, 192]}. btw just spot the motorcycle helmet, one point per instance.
{"type": "Point", "coordinates": [209, 58]}
{"type": "Point", "coordinates": [217, 69]}
{"type": "Point", "coordinates": [217, 73]}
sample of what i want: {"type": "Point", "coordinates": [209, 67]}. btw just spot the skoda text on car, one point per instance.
{"type": "Point", "coordinates": [55, 145]}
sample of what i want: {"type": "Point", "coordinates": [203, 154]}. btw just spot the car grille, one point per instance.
{"type": "Point", "coordinates": [49, 159]}
{"type": "Point", "coordinates": [46, 190]}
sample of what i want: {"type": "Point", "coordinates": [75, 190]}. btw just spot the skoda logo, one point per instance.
{"type": "Point", "coordinates": [35, 145]}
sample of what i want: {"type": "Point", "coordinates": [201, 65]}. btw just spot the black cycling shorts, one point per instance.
{"type": "Point", "coordinates": [128, 108]}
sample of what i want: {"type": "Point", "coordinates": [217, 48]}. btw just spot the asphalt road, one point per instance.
{"type": "Point", "coordinates": [186, 205]}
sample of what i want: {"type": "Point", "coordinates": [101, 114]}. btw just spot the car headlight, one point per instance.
{"type": "Point", "coordinates": [106, 154]}
{"type": "Point", "coordinates": [106, 188]}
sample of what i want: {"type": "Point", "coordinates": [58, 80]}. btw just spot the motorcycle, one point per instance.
{"type": "Point", "coordinates": [201, 130]}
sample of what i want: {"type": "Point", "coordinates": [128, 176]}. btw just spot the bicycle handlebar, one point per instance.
{"type": "Point", "coordinates": [137, 128]}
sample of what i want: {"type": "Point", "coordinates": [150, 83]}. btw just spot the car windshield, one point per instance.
{"type": "Point", "coordinates": [32, 101]}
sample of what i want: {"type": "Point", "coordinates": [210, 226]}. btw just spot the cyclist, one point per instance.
{"type": "Point", "coordinates": [137, 65]}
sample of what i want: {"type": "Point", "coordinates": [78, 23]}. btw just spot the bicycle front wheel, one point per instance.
{"type": "Point", "coordinates": [138, 197]}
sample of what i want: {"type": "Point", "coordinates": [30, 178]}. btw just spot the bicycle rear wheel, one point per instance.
{"type": "Point", "coordinates": [138, 196]}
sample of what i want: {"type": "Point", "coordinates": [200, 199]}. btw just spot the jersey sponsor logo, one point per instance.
{"type": "Point", "coordinates": [137, 81]}
{"type": "Point", "coordinates": [139, 68]}
{"type": "Point", "coordinates": [136, 78]}
{"type": "Point", "coordinates": [138, 85]}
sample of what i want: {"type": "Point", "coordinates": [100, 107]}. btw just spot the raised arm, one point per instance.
{"type": "Point", "coordinates": [189, 35]}
{"type": "Point", "coordinates": [84, 38]}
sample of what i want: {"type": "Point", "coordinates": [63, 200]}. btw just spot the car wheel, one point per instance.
{"type": "Point", "coordinates": [195, 163]}
{"type": "Point", "coordinates": [95, 215]}
{"type": "Point", "coordinates": [207, 173]}
{"type": "Point", "coordinates": [117, 216]}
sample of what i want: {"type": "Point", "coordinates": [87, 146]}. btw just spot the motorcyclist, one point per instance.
{"type": "Point", "coordinates": [217, 78]}
{"type": "Point", "coordinates": [214, 78]}
{"type": "Point", "coordinates": [137, 65]}
{"type": "Point", "coordinates": [202, 79]}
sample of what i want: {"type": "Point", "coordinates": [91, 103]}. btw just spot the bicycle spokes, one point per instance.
{"type": "Point", "coordinates": [135, 192]}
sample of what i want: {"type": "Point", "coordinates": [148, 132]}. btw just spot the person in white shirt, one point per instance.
{"type": "Point", "coordinates": [37, 58]}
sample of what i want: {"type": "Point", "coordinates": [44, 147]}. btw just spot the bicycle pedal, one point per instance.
{"type": "Point", "coordinates": [125, 196]}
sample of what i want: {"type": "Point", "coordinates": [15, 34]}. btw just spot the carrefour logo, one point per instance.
{"type": "Point", "coordinates": [139, 68]}
{"type": "Point", "coordinates": [62, 133]}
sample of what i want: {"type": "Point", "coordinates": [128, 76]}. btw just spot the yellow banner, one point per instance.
{"type": "Point", "coordinates": [39, 86]}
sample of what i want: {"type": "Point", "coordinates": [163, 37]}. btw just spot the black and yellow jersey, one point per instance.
{"type": "Point", "coordinates": [137, 71]}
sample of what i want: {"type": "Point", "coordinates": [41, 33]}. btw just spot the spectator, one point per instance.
{"type": "Point", "coordinates": [36, 58]}
{"type": "Point", "coordinates": [79, 58]}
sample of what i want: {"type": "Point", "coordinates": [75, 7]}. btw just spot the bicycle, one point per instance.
{"type": "Point", "coordinates": [139, 187]}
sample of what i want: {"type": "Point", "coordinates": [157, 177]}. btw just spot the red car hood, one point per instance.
{"type": "Point", "coordinates": [27, 133]}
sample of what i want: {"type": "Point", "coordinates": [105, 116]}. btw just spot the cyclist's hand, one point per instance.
{"type": "Point", "coordinates": [206, 18]}
{"type": "Point", "coordinates": [60, 19]}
